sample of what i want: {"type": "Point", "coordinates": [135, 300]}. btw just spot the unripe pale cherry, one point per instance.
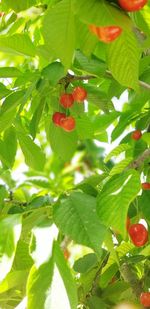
{"type": "Point", "coordinates": [106, 34]}
{"type": "Point", "coordinates": [66, 100]}
{"type": "Point", "coordinates": [138, 234]}
{"type": "Point", "coordinates": [56, 118]}
{"type": "Point", "coordinates": [132, 5]}
{"type": "Point", "coordinates": [79, 94]}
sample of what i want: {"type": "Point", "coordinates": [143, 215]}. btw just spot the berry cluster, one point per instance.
{"type": "Point", "coordinates": [108, 34]}
{"type": "Point", "coordinates": [67, 100]}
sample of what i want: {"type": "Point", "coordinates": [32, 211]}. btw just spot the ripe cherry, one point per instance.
{"type": "Point", "coordinates": [67, 100]}
{"type": "Point", "coordinates": [146, 185]}
{"type": "Point", "coordinates": [128, 222]}
{"type": "Point", "coordinates": [66, 254]}
{"type": "Point", "coordinates": [68, 123]}
{"type": "Point", "coordinates": [132, 5]}
{"type": "Point", "coordinates": [136, 135]}
{"type": "Point", "coordinates": [106, 34]}
{"type": "Point", "coordinates": [79, 94]}
{"type": "Point", "coordinates": [145, 299]}
{"type": "Point", "coordinates": [138, 234]}
{"type": "Point", "coordinates": [57, 117]}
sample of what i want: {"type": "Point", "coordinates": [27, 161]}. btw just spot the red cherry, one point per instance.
{"type": "Point", "coordinates": [138, 234]}
{"type": "Point", "coordinates": [68, 123]}
{"type": "Point", "coordinates": [128, 222]}
{"type": "Point", "coordinates": [66, 100]}
{"type": "Point", "coordinates": [106, 34]}
{"type": "Point", "coordinates": [79, 94]}
{"type": "Point", "coordinates": [136, 135]}
{"type": "Point", "coordinates": [146, 185]}
{"type": "Point", "coordinates": [57, 117]}
{"type": "Point", "coordinates": [66, 254]}
{"type": "Point", "coordinates": [132, 5]}
{"type": "Point", "coordinates": [145, 299]}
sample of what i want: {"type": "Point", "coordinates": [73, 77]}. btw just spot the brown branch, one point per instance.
{"type": "Point", "coordinates": [70, 78]}
{"type": "Point", "coordinates": [140, 160]}
{"type": "Point", "coordinates": [130, 277]}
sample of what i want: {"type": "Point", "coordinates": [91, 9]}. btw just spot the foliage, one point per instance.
{"type": "Point", "coordinates": [71, 195]}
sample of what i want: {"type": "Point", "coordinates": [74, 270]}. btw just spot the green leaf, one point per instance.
{"type": "Point", "coordinates": [10, 144]}
{"type": "Point", "coordinates": [34, 157]}
{"type": "Point", "coordinates": [42, 243]}
{"type": "Point", "coordinates": [68, 281]}
{"type": "Point", "coordinates": [90, 65]}
{"type": "Point", "coordinates": [117, 151]}
{"type": "Point", "coordinates": [107, 275]}
{"type": "Point", "coordinates": [76, 216]}
{"type": "Point", "coordinates": [120, 167]}
{"type": "Point", "coordinates": [84, 127]}
{"type": "Point", "coordinates": [62, 143]}
{"type": "Point", "coordinates": [102, 122]}
{"type": "Point", "coordinates": [113, 291]}
{"type": "Point", "coordinates": [8, 109]}
{"type": "Point", "coordinates": [36, 118]}
{"type": "Point", "coordinates": [3, 91]}
{"type": "Point", "coordinates": [6, 72]}
{"type": "Point", "coordinates": [123, 59]}
{"type": "Point", "coordinates": [100, 13]}
{"type": "Point", "coordinates": [3, 194]}
{"type": "Point", "coordinates": [53, 72]}
{"type": "Point", "coordinates": [143, 203]}
{"type": "Point", "coordinates": [113, 201]}
{"type": "Point", "coordinates": [10, 227]}
{"type": "Point", "coordinates": [85, 263]}
{"type": "Point", "coordinates": [38, 285]}
{"type": "Point", "coordinates": [59, 32]}
{"type": "Point", "coordinates": [43, 281]}
{"type": "Point", "coordinates": [95, 302]}
{"type": "Point", "coordinates": [20, 5]}
{"type": "Point", "coordinates": [13, 279]}
{"type": "Point", "coordinates": [85, 40]}
{"type": "Point", "coordinates": [19, 44]}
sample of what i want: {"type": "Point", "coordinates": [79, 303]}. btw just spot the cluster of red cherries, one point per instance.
{"type": "Point", "coordinates": [139, 236]}
{"type": "Point", "coordinates": [68, 123]}
{"type": "Point", "coordinates": [110, 33]}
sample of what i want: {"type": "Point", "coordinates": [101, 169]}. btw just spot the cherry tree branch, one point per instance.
{"type": "Point", "coordinates": [140, 160]}
{"type": "Point", "coordinates": [66, 80]}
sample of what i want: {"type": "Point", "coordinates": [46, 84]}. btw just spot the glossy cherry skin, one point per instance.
{"type": "Point", "coordinates": [146, 185]}
{"type": "Point", "coordinates": [106, 34]}
{"type": "Point", "coordinates": [145, 299]}
{"type": "Point", "coordinates": [138, 234]}
{"type": "Point", "coordinates": [128, 223]}
{"type": "Point", "coordinates": [136, 135]}
{"type": "Point", "coordinates": [66, 100]}
{"type": "Point", "coordinates": [79, 94]}
{"type": "Point", "coordinates": [57, 117]}
{"type": "Point", "coordinates": [132, 5]}
{"type": "Point", "coordinates": [68, 124]}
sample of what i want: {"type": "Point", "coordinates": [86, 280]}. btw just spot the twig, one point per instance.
{"type": "Point", "coordinates": [66, 80]}
{"type": "Point", "coordinates": [130, 277]}
{"type": "Point", "coordinates": [140, 160]}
